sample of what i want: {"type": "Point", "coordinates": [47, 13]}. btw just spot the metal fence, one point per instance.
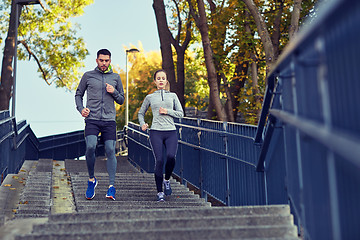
{"type": "Point", "coordinates": [19, 143]}
{"type": "Point", "coordinates": [15, 140]}
{"type": "Point", "coordinates": [312, 136]}
{"type": "Point", "coordinates": [218, 158]}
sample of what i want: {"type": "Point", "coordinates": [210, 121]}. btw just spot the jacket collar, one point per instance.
{"type": "Point", "coordinates": [109, 70]}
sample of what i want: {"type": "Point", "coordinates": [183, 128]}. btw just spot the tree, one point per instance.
{"type": "Point", "coordinates": [245, 41]}
{"type": "Point", "coordinates": [46, 35]}
{"type": "Point", "coordinates": [142, 67]}
{"type": "Point", "coordinates": [180, 42]}
{"type": "Point", "coordinates": [202, 24]}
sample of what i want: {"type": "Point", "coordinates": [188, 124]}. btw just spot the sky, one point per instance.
{"type": "Point", "coordinates": [105, 24]}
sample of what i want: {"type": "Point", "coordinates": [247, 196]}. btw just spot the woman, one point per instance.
{"type": "Point", "coordinates": [165, 106]}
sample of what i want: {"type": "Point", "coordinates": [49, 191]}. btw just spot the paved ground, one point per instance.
{"type": "Point", "coordinates": [62, 195]}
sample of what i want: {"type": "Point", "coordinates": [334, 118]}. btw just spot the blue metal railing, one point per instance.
{"type": "Point", "coordinates": [314, 130]}
{"type": "Point", "coordinates": [18, 143]}
{"type": "Point", "coordinates": [15, 140]}
{"type": "Point", "coordinates": [62, 146]}
{"type": "Point", "coordinates": [218, 158]}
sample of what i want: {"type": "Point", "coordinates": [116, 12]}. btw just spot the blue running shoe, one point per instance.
{"type": "Point", "coordinates": [167, 188]}
{"type": "Point", "coordinates": [111, 193]}
{"type": "Point", "coordinates": [160, 197]}
{"type": "Point", "coordinates": [90, 192]}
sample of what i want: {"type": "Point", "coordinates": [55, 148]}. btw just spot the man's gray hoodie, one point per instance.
{"type": "Point", "coordinates": [99, 101]}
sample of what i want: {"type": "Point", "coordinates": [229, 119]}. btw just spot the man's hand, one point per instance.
{"type": "Point", "coordinates": [109, 88]}
{"type": "Point", "coordinates": [85, 112]}
{"type": "Point", "coordinates": [144, 127]}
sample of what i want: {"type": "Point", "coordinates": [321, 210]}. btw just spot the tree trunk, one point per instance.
{"type": "Point", "coordinates": [7, 80]}
{"type": "Point", "coordinates": [238, 83]}
{"type": "Point", "coordinates": [177, 84]}
{"type": "Point", "coordinates": [275, 37]}
{"type": "Point", "coordinates": [295, 16]}
{"type": "Point", "coordinates": [180, 77]}
{"type": "Point", "coordinates": [263, 33]}
{"type": "Point", "coordinates": [253, 65]}
{"type": "Point", "coordinates": [165, 41]}
{"type": "Point", "coordinates": [201, 22]}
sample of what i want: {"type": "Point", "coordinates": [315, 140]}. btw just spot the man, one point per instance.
{"type": "Point", "coordinates": [103, 87]}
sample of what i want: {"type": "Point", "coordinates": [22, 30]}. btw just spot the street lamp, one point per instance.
{"type": "Point", "coordinates": [17, 16]}
{"type": "Point", "coordinates": [132, 50]}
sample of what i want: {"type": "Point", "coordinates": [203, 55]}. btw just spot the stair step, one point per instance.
{"type": "Point", "coordinates": [173, 213]}
{"type": "Point", "coordinates": [137, 215]}
{"type": "Point", "coordinates": [141, 204]}
{"type": "Point", "coordinates": [189, 221]}
{"type": "Point", "coordinates": [178, 234]}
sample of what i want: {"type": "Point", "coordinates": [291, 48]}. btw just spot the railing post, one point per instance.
{"type": "Point", "coordinates": [225, 128]}
{"type": "Point", "coordinates": [200, 161]}
{"type": "Point", "coordinates": [181, 154]}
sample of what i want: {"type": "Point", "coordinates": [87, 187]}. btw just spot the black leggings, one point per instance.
{"type": "Point", "coordinates": [158, 139]}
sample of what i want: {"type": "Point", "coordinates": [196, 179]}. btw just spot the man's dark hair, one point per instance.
{"type": "Point", "coordinates": [103, 52]}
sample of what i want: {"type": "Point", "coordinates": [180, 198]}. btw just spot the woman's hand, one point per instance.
{"type": "Point", "coordinates": [144, 127]}
{"type": "Point", "coordinates": [162, 110]}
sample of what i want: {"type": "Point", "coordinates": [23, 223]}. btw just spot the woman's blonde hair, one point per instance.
{"type": "Point", "coordinates": [167, 86]}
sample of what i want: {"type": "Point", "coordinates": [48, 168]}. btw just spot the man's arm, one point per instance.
{"type": "Point", "coordinates": [79, 94]}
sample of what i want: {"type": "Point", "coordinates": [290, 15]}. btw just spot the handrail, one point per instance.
{"type": "Point", "coordinates": [7, 136]}
{"type": "Point", "coordinates": [345, 145]}
{"type": "Point", "coordinates": [265, 109]}
{"type": "Point", "coordinates": [217, 153]}
{"type": "Point", "coordinates": [61, 145]}
{"type": "Point", "coordinates": [212, 130]}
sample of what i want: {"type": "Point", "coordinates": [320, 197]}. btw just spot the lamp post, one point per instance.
{"type": "Point", "coordinates": [17, 16]}
{"type": "Point", "coordinates": [132, 50]}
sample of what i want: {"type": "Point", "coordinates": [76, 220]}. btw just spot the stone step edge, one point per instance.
{"type": "Point", "coordinates": [192, 218]}
{"type": "Point", "coordinates": [245, 210]}
{"type": "Point", "coordinates": [201, 231]}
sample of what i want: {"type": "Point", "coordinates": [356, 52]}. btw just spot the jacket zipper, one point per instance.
{"type": "Point", "coordinates": [102, 95]}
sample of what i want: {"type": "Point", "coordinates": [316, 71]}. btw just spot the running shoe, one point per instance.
{"type": "Point", "coordinates": [90, 192]}
{"type": "Point", "coordinates": [167, 188]}
{"type": "Point", "coordinates": [160, 197]}
{"type": "Point", "coordinates": [111, 193]}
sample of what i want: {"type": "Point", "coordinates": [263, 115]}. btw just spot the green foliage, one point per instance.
{"type": "Point", "coordinates": [142, 66]}
{"type": "Point", "coordinates": [46, 34]}
{"type": "Point", "coordinates": [196, 86]}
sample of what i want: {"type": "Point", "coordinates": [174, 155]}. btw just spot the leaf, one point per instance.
{"type": "Point", "coordinates": [7, 185]}
{"type": "Point", "coordinates": [15, 177]}
{"type": "Point", "coordinates": [56, 187]}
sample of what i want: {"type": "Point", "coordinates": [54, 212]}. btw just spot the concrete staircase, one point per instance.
{"type": "Point", "coordinates": [35, 199]}
{"type": "Point", "coordinates": [136, 214]}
